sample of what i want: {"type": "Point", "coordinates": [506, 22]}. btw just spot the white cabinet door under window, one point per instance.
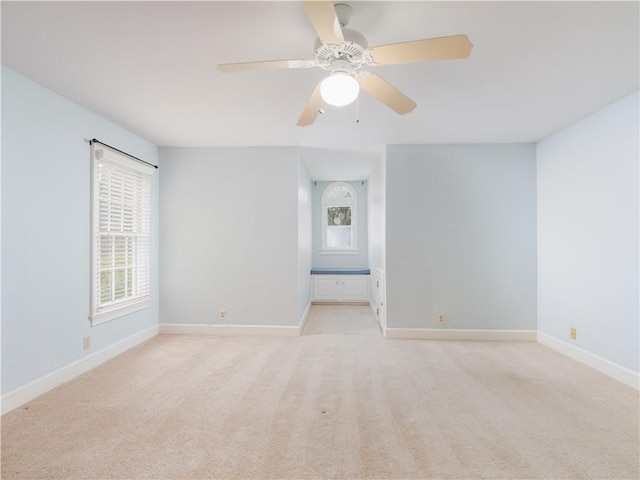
{"type": "Point", "coordinates": [340, 288]}
{"type": "Point", "coordinates": [354, 288]}
{"type": "Point", "coordinates": [326, 288]}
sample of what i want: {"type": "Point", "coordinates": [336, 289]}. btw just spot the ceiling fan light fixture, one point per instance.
{"type": "Point", "coordinates": [339, 89]}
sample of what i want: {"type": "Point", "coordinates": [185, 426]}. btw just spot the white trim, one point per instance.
{"type": "Point", "coordinates": [108, 153]}
{"type": "Point", "coordinates": [339, 251]}
{"type": "Point", "coordinates": [229, 330]}
{"type": "Point", "coordinates": [356, 303]}
{"type": "Point", "coordinates": [609, 368]}
{"type": "Point", "coordinates": [31, 390]}
{"type": "Point", "coordinates": [460, 334]}
{"type": "Point", "coordinates": [378, 277]}
{"type": "Point", "coordinates": [303, 320]}
{"type": "Point", "coordinates": [372, 307]}
{"type": "Point", "coordinates": [120, 310]}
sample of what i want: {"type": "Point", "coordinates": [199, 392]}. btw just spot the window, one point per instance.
{"type": "Point", "coordinates": [339, 219]}
{"type": "Point", "coordinates": [121, 234]}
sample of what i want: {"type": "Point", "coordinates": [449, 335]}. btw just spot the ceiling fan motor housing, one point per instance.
{"type": "Point", "coordinates": [341, 66]}
{"type": "Point", "coordinates": [352, 51]}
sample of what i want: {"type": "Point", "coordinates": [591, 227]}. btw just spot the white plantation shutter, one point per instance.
{"type": "Point", "coordinates": [121, 234]}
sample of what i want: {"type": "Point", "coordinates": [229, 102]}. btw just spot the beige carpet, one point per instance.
{"type": "Point", "coordinates": [341, 319]}
{"type": "Point", "coordinates": [328, 406]}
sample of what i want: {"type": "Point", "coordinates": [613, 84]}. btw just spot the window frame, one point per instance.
{"type": "Point", "coordinates": [340, 202]}
{"type": "Point", "coordinates": [140, 264]}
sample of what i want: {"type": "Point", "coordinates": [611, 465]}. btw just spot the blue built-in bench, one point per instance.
{"type": "Point", "coordinates": [340, 271]}
{"type": "Point", "coordinates": [341, 285]}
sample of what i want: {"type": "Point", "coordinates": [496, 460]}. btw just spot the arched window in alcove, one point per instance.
{"type": "Point", "coordinates": [339, 218]}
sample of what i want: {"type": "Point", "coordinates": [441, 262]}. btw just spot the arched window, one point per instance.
{"type": "Point", "coordinates": [339, 218]}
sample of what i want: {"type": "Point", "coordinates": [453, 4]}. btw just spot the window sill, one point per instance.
{"type": "Point", "coordinates": [118, 311]}
{"type": "Point", "coordinates": [340, 251]}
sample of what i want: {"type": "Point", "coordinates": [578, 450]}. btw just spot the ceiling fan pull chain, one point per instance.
{"type": "Point", "coordinates": [357, 109]}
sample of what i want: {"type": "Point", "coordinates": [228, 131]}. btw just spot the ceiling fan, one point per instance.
{"type": "Point", "coordinates": [343, 52]}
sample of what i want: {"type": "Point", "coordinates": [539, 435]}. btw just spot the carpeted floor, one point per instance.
{"type": "Point", "coordinates": [341, 319]}
{"type": "Point", "coordinates": [328, 406]}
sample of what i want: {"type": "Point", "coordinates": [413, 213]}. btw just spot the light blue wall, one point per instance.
{"type": "Point", "coordinates": [45, 231]}
{"type": "Point", "coordinates": [461, 236]}
{"type": "Point", "coordinates": [229, 235]}
{"type": "Point", "coordinates": [588, 240]}
{"type": "Point", "coordinates": [322, 260]}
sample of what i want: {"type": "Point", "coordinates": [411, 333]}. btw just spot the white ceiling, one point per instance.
{"type": "Point", "coordinates": [151, 67]}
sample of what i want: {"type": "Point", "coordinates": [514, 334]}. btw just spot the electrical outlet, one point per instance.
{"type": "Point", "coordinates": [87, 342]}
{"type": "Point", "coordinates": [222, 315]}
{"type": "Point", "coordinates": [441, 319]}
{"type": "Point", "coordinates": [573, 333]}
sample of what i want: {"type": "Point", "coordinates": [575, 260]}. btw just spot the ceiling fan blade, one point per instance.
{"type": "Point", "coordinates": [311, 108]}
{"type": "Point", "coordinates": [325, 21]}
{"type": "Point", "coordinates": [386, 93]}
{"type": "Point", "coordinates": [268, 65]}
{"type": "Point", "coordinates": [441, 48]}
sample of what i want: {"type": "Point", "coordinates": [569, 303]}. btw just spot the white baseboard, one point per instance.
{"type": "Point", "coordinates": [28, 392]}
{"type": "Point", "coordinates": [303, 320]}
{"type": "Point", "coordinates": [229, 330]}
{"type": "Point", "coordinates": [351, 304]}
{"type": "Point", "coordinates": [609, 368]}
{"type": "Point", "coordinates": [459, 334]}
